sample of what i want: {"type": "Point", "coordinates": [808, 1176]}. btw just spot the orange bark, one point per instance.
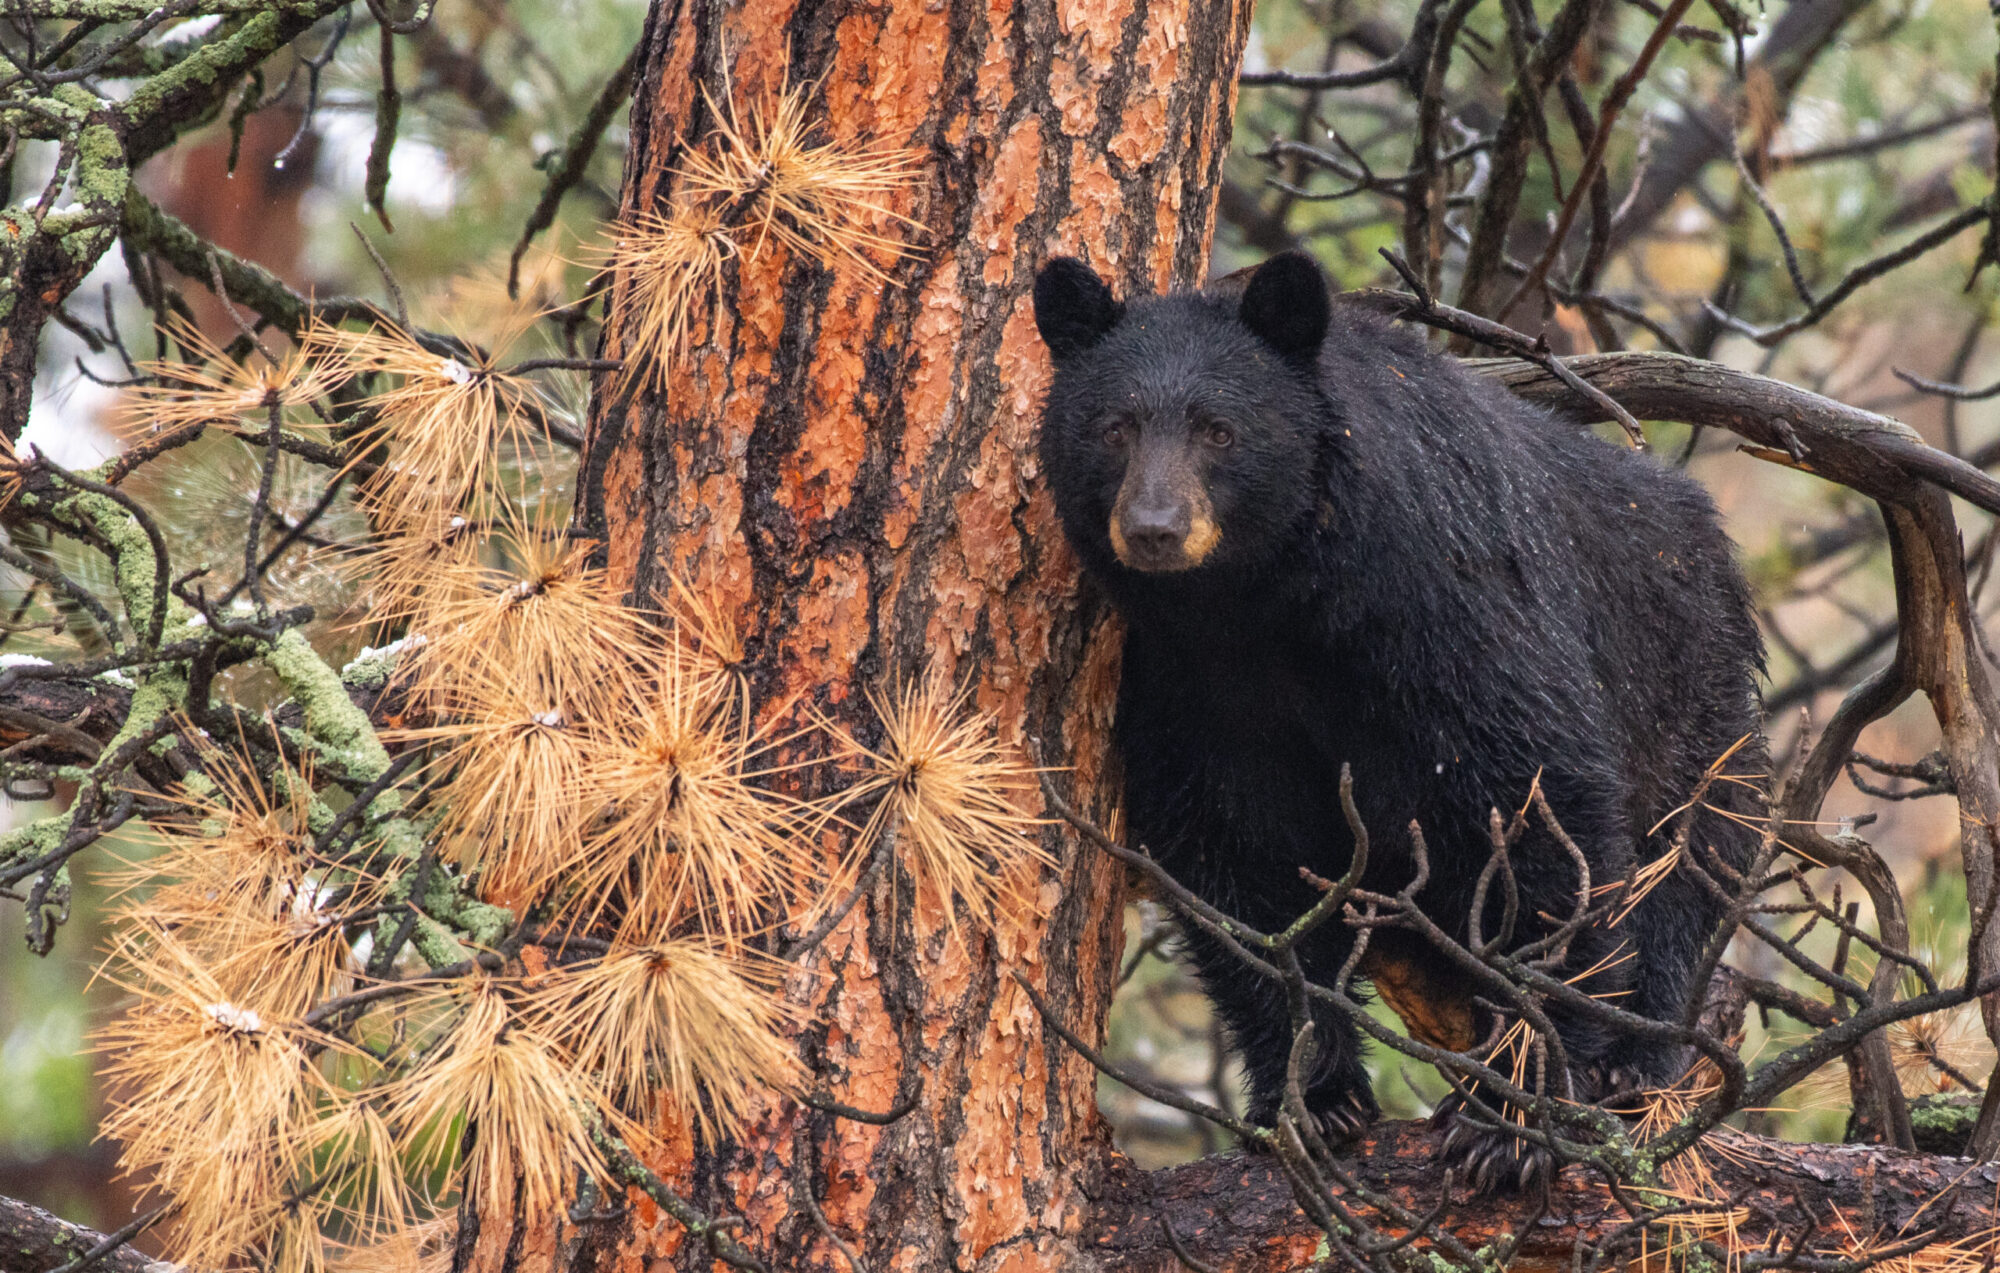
{"type": "Point", "coordinates": [852, 468]}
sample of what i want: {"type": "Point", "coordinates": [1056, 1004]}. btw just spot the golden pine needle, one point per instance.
{"type": "Point", "coordinates": [694, 1020]}
{"type": "Point", "coordinates": [686, 834]}
{"type": "Point", "coordinates": [449, 421]}
{"type": "Point", "coordinates": [215, 389]}
{"type": "Point", "coordinates": [476, 307]}
{"type": "Point", "coordinates": [701, 618]}
{"type": "Point", "coordinates": [351, 1155]}
{"type": "Point", "coordinates": [517, 762]}
{"type": "Point", "coordinates": [10, 471]}
{"type": "Point", "coordinates": [1975, 1253]}
{"type": "Point", "coordinates": [550, 623]}
{"type": "Point", "coordinates": [668, 267]}
{"type": "Point", "coordinates": [954, 798]}
{"type": "Point", "coordinates": [1931, 1052]}
{"type": "Point", "coordinates": [816, 198]}
{"type": "Point", "coordinates": [424, 559]}
{"type": "Point", "coordinates": [240, 845]}
{"type": "Point", "coordinates": [423, 1247]}
{"type": "Point", "coordinates": [752, 180]}
{"type": "Point", "coordinates": [508, 1084]}
{"type": "Point", "coordinates": [235, 883]}
{"type": "Point", "coordinates": [210, 1095]}
{"type": "Point", "coordinates": [1940, 1051]}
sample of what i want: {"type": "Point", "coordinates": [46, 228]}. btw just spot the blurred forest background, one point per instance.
{"type": "Point", "coordinates": [1856, 126]}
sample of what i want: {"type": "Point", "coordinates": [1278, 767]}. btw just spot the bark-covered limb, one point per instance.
{"type": "Point", "coordinates": [68, 719]}
{"type": "Point", "coordinates": [1937, 651]}
{"type": "Point", "coordinates": [45, 253]}
{"type": "Point", "coordinates": [1874, 454]}
{"type": "Point", "coordinates": [168, 104]}
{"type": "Point", "coordinates": [33, 1241]}
{"type": "Point", "coordinates": [151, 229]}
{"type": "Point", "coordinates": [1513, 143]}
{"type": "Point", "coordinates": [135, 10]}
{"type": "Point", "coordinates": [1236, 1211]}
{"type": "Point", "coordinates": [61, 722]}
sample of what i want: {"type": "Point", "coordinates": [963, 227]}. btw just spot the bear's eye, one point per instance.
{"type": "Point", "coordinates": [1221, 435]}
{"type": "Point", "coordinates": [1114, 433]}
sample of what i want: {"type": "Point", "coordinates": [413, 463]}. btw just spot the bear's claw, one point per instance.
{"type": "Point", "coordinates": [1616, 1087]}
{"type": "Point", "coordinates": [1489, 1159]}
{"type": "Point", "coordinates": [1348, 1118]}
{"type": "Point", "coordinates": [1343, 1119]}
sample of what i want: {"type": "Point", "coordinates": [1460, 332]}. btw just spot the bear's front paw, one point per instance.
{"type": "Point", "coordinates": [1341, 1117]}
{"type": "Point", "coordinates": [1490, 1159]}
{"type": "Point", "coordinates": [1619, 1088]}
{"type": "Point", "coordinates": [1346, 1117]}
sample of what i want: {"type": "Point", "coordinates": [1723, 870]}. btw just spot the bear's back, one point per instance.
{"type": "Point", "coordinates": [1475, 523]}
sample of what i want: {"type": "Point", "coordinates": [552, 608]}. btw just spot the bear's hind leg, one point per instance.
{"type": "Point", "coordinates": [1336, 1089]}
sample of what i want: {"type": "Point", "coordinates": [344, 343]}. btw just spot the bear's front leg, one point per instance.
{"type": "Point", "coordinates": [1336, 1089]}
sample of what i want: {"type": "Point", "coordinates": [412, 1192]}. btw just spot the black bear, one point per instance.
{"type": "Point", "coordinates": [1331, 545]}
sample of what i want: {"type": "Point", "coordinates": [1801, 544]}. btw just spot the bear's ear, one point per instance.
{"type": "Point", "coordinates": [1287, 305]}
{"type": "Point", "coordinates": [1073, 307]}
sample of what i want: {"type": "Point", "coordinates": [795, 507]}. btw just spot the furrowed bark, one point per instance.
{"type": "Point", "coordinates": [852, 467]}
{"type": "Point", "coordinates": [1235, 1212]}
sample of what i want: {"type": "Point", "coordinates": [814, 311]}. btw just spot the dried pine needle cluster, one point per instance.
{"type": "Point", "coordinates": [450, 419]}
{"type": "Point", "coordinates": [548, 929]}
{"type": "Point", "coordinates": [209, 387]}
{"type": "Point", "coordinates": [308, 1110]}
{"type": "Point", "coordinates": [759, 178]}
{"type": "Point", "coordinates": [951, 799]}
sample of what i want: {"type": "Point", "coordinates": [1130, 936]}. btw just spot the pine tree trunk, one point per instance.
{"type": "Point", "coordinates": [853, 466]}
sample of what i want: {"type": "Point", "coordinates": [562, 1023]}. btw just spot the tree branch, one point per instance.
{"type": "Point", "coordinates": [33, 1241]}
{"type": "Point", "coordinates": [1236, 1210]}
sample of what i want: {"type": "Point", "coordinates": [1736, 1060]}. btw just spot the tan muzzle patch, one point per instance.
{"type": "Point", "coordinates": [1195, 546]}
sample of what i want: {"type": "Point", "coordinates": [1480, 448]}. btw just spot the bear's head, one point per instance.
{"type": "Point", "coordinates": [1181, 433]}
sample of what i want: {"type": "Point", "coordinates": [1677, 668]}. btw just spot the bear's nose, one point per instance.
{"type": "Point", "coordinates": [1156, 529]}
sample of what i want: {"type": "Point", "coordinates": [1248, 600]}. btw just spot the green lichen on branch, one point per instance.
{"type": "Point", "coordinates": [336, 732]}
{"type": "Point", "coordinates": [188, 93]}
{"type": "Point", "coordinates": [150, 229]}
{"type": "Point", "coordinates": [136, 10]}
{"type": "Point", "coordinates": [137, 569]}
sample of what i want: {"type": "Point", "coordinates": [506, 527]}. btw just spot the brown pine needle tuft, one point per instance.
{"type": "Point", "coordinates": [426, 559]}
{"type": "Point", "coordinates": [236, 885]}
{"type": "Point", "coordinates": [424, 1247]}
{"type": "Point", "coordinates": [549, 623]}
{"type": "Point", "coordinates": [10, 471]}
{"type": "Point", "coordinates": [815, 197]}
{"type": "Point", "coordinates": [508, 1084]}
{"type": "Point", "coordinates": [670, 267]}
{"type": "Point", "coordinates": [1940, 1051]}
{"type": "Point", "coordinates": [211, 1096]}
{"type": "Point", "coordinates": [449, 420]}
{"type": "Point", "coordinates": [694, 1020]}
{"type": "Point", "coordinates": [687, 835]}
{"type": "Point", "coordinates": [954, 800]}
{"type": "Point", "coordinates": [753, 180]}
{"type": "Point", "coordinates": [215, 389]}
{"type": "Point", "coordinates": [351, 1155]}
{"type": "Point", "coordinates": [517, 762]}
{"type": "Point", "coordinates": [702, 620]}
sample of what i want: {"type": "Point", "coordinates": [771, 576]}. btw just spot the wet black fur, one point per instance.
{"type": "Point", "coordinates": [1423, 577]}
